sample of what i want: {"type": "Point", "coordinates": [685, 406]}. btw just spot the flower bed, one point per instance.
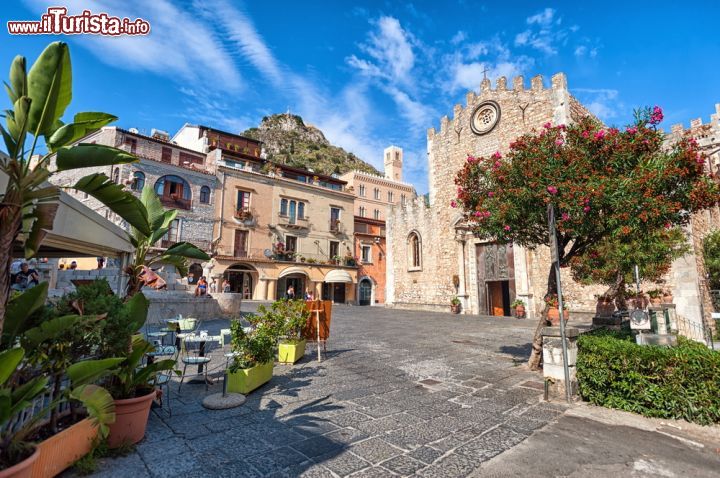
{"type": "Point", "coordinates": [681, 382]}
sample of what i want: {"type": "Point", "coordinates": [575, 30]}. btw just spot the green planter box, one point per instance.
{"type": "Point", "coordinates": [248, 379]}
{"type": "Point", "coordinates": [291, 351]}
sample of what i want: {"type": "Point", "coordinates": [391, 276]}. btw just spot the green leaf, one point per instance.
{"type": "Point", "coordinates": [16, 121]}
{"type": "Point", "coordinates": [89, 371]}
{"type": "Point", "coordinates": [19, 309]}
{"type": "Point", "coordinates": [98, 403]}
{"type": "Point", "coordinates": [121, 202]}
{"type": "Point", "coordinates": [49, 87]}
{"type": "Point", "coordinates": [180, 263]}
{"type": "Point", "coordinates": [186, 249]}
{"type": "Point", "coordinates": [9, 360]}
{"type": "Point", "coordinates": [83, 125]}
{"type": "Point", "coordinates": [24, 394]}
{"type": "Point", "coordinates": [86, 155]}
{"type": "Point", "coordinates": [18, 77]}
{"type": "Point", "coordinates": [44, 218]}
{"type": "Point", "coordinates": [137, 308]}
{"type": "Point", "coordinates": [10, 144]}
{"type": "Point", "coordinates": [157, 216]}
{"type": "Point", "coordinates": [49, 330]}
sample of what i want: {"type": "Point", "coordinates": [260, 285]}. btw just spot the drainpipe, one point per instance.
{"type": "Point", "coordinates": [222, 211]}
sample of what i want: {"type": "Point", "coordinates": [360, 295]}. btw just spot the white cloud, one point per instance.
{"type": "Point", "coordinates": [544, 33]}
{"type": "Point", "coordinates": [459, 37]}
{"type": "Point", "coordinates": [543, 18]}
{"type": "Point", "coordinates": [580, 50]}
{"type": "Point", "coordinates": [602, 102]}
{"type": "Point", "coordinates": [192, 52]}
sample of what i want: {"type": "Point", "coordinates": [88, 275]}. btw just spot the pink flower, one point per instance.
{"type": "Point", "coordinates": [586, 134]}
{"type": "Point", "coordinates": [559, 142]}
{"type": "Point", "coordinates": [586, 209]}
{"type": "Point", "coordinates": [497, 164]}
{"type": "Point", "coordinates": [552, 190]}
{"type": "Point", "coordinates": [657, 115]}
{"type": "Point", "coordinates": [565, 216]}
{"type": "Point", "coordinates": [699, 159]}
{"type": "Point", "coordinates": [470, 159]}
{"type": "Point", "coordinates": [507, 228]}
{"type": "Point", "coordinates": [600, 134]}
{"type": "Point", "coordinates": [632, 130]}
{"type": "Point", "coordinates": [453, 204]}
{"type": "Point", "coordinates": [668, 225]}
{"type": "Point", "coordinates": [491, 194]}
{"type": "Point", "coordinates": [478, 214]}
{"type": "Point", "coordinates": [547, 125]}
{"type": "Point", "coordinates": [487, 214]}
{"type": "Point", "coordinates": [496, 155]}
{"type": "Point", "coordinates": [586, 201]}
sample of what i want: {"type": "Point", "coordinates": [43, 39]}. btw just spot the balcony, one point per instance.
{"type": "Point", "coordinates": [336, 227]}
{"type": "Point", "coordinates": [176, 203]}
{"type": "Point", "coordinates": [294, 222]}
{"type": "Point", "coordinates": [313, 258]}
{"type": "Point", "coordinates": [246, 215]}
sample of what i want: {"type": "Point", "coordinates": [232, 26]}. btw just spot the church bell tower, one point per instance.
{"type": "Point", "coordinates": [393, 163]}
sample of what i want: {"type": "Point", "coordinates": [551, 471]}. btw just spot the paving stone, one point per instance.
{"type": "Point", "coordinates": [490, 444]}
{"type": "Point", "coordinates": [350, 419]}
{"type": "Point", "coordinates": [379, 426]}
{"type": "Point", "coordinates": [451, 466]}
{"type": "Point", "coordinates": [343, 464]}
{"type": "Point", "coordinates": [426, 454]}
{"type": "Point", "coordinates": [347, 436]}
{"type": "Point", "coordinates": [375, 450]}
{"type": "Point", "coordinates": [277, 460]}
{"type": "Point", "coordinates": [122, 467]}
{"type": "Point", "coordinates": [374, 472]}
{"type": "Point", "coordinates": [317, 446]}
{"type": "Point", "coordinates": [403, 465]}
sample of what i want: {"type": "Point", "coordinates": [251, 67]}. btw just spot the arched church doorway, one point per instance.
{"type": "Point", "coordinates": [496, 278]}
{"type": "Point", "coordinates": [365, 292]}
{"type": "Point", "coordinates": [241, 281]}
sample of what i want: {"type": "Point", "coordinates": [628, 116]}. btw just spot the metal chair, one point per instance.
{"type": "Point", "coordinates": [195, 352]}
{"type": "Point", "coordinates": [184, 328]}
{"type": "Point", "coordinates": [164, 378]}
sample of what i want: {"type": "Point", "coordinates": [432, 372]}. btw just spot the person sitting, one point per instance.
{"type": "Point", "coordinates": [25, 279]}
{"type": "Point", "coordinates": [73, 265]}
{"type": "Point", "coordinates": [202, 287]}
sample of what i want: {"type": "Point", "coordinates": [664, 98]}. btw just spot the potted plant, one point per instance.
{"type": "Point", "coordinates": [253, 354]}
{"type": "Point", "coordinates": [455, 305]}
{"type": "Point", "coordinates": [655, 296]}
{"type": "Point", "coordinates": [292, 317]}
{"type": "Point", "coordinates": [605, 306]}
{"type": "Point", "coordinates": [667, 297]}
{"type": "Point", "coordinates": [519, 306]}
{"type": "Point", "coordinates": [553, 315]}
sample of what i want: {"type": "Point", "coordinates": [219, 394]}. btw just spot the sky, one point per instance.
{"type": "Point", "coordinates": [370, 74]}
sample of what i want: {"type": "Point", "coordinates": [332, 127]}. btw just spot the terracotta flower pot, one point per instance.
{"type": "Point", "coordinates": [656, 300]}
{"type": "Point", "coordinates": [604, 308]}
{"type": "Point", "coordinates": [520, 311]}
{"type": "Point", "coordinates": [455, 309]}
{"type": "Point", "coordinates": [22, 469]}
{"type": "Point", "coordinates": [667, 299]}
{"type": "Point", "coordinates": [131, 416]}
{"type": "Point", "coordinates": [554, 316]}
{"type": "Point", "coordinates": [61, 450]}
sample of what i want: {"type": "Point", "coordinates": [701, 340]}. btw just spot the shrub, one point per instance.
{"type": "Point", "coordinates": [681, 382]}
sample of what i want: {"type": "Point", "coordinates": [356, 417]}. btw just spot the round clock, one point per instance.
{"type": "Point", "coordinates": [485, 117]}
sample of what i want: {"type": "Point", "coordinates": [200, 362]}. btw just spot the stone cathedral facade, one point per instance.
{"type": "Point", "coordinates": [432, 258]}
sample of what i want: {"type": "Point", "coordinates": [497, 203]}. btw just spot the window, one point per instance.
{"type": "Point", "coordinates": [362, 211]}
{"type": "Point", "coordinates": [116, 176]}
{"type": "Point", "coordinates": [243, 200]}
{"type": "Point", "coordinates": [290, 243]}
{"type": "Point", "coordinates": [301, 210]}
{"type": "Point", "coordinates": [188, 159]}
{"type": "Point", "coordinates": [293, 211]}
{"type": "Point", "coordinates": [402, 199]}
{"type": "Point", "coordinates": [366, 254]}
{"type": "Point", "coordinates": [205, 195]}
{"type": "Point", "coordinates": [362, 190]}
{"type": "Point", "coordinates": [334, 218]}
{"type": "Point", "coordinates": [173, 234]}
{"type": "Point", "coordinates": [377, 193]}
{"type": "Point", "coordinates": [132, 142]}
{"type": "Point", "coordinates": [334, 249]}
{"type": "Point", "coordinates": [376, 214]}
{"type": "Point", "coordinates": [173, 191]}
{"type": "Point", "coordinates": [283, 207]}
{"type": "Point", "coordinates": [166, 155]}
{"type": "Point", "coordinates": [390, 196]}
{"type": "Point", "coordinates": [414, 252]}
{"type": "Point", "coordinates": [138, 182]}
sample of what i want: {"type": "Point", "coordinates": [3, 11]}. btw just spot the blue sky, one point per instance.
{"type": "Point", "coordinates": [370, 74]}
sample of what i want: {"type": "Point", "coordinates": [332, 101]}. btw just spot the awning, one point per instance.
{"type": "Point", "coordinates": [292, 270]}
{"type": "Point", "coordinates": [338, 275]}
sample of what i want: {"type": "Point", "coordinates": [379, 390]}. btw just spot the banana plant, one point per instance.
{"type": "Point", "coordinates": [146, 255]}
{"type": "Point", "coordinates": [28, 203]}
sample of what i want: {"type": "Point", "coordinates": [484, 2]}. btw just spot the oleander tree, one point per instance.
{"type": "Point", "coordinates": [611, 262]}
{"type": "Point", "coordinates": [604, 183]}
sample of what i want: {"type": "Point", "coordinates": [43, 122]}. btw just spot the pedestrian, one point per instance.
{"type": "Point", "coordinates": [225, 286]}
{"type": "Point", "coordinates": [213, 287]}
{"type": "Point", "coordinates": [25, 279]}
{"type": "Point", "coordinates": [202, 287]}
{"type": "Point", "coordinates": [73, 265]}
{"type": "Point", "coordinates": [290, 293]}
{"type": "Point", "coordinates": [308, 294]}
{"type": "Point", "coordinates": [101, 262]}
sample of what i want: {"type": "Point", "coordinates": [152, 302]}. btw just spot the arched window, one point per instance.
{"type": "Point", "coordinates": [116, 176]}
{"type": "Point", "coordinates": [414, 251]}
{"type": "Point", "coordinates": [205, 195]}
{"type": "Point", "coordinates": [172, 187]}
{"type": "Point", "coordinates": [138, 182]}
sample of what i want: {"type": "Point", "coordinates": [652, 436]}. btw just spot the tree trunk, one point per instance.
{"type": "Point", "coordinates": [535, 360]}
{"type": "Point", "coordinates": [618, 292]}
{"type": "Point", "coordinates": [9, 228]}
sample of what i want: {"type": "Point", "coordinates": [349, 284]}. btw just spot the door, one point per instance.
{"type": "Point", "coordinates": [365, 292]}
{"type": "Point", "coordinates": [496, 278]}
{"type": "Point", "coordinates": [499, 298]}
{"type": "Point", "coordinates": [240, 243]}
{"type": "Point", "coordinates": [339, 293]}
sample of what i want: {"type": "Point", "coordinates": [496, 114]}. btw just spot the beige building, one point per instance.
{"type": "Point", "coordinates": [278, 227]}
{"type": "Point", "coordinates": [435, 258]}
{"type": "Point", "coordinates": [375, 196]}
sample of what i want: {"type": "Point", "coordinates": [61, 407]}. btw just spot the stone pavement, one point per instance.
{"type": "Point", "coordinates": [398, 393]}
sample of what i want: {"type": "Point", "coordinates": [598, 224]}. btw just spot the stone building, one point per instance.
{"type": "Point", "coordinates": [434, 258]}
{"type": "Point", "coordinates": [278, 226]}
{"type": "Point", "coordinates": [375, 196]}
{"type": "Point", "coordinates": [183, 179]}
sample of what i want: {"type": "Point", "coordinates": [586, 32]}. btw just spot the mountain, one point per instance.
{"type": "Point", "coordinates": [288, 140]}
